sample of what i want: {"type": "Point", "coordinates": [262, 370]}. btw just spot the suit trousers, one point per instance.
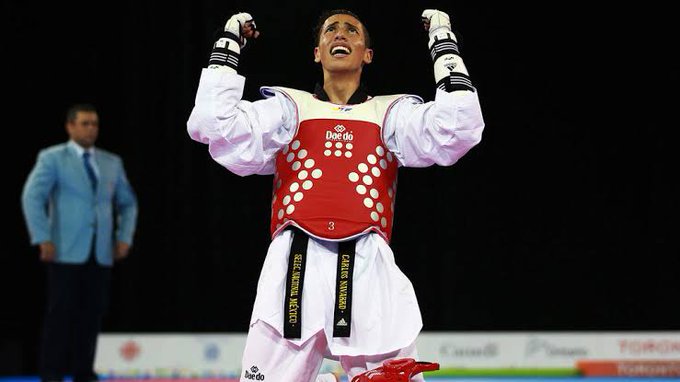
{"type": "Point", "coordinates": [77, 299]}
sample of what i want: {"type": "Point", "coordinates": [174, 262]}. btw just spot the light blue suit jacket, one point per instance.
{"type": "Point", "coordinates": [60, 206]}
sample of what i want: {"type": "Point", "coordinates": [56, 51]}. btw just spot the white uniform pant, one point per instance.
{"type": "Point", "coordinates": [275, 358]}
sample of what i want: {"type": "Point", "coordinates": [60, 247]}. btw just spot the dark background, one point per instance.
{"type": "Point", "coordinates": [564, 217]}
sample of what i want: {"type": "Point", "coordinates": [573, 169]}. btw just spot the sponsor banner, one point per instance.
{"type": "Point", "coordinates": [543, 349]}
{"type": "Point", "coordinates": [170, 355]}
{"type": "Point", "coordinates": [505, 350]}
{"type": "Point", "coordinates": [220, 354]}
{"type": "Point", "coordinates": [468, 350]}
{"type": "Point", "coordinates": [627, 368]}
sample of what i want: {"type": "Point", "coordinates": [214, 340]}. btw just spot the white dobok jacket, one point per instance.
{"type": "Point", "coordinates": [245, 137]}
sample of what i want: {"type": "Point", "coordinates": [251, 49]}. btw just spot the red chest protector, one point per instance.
{"type": "Point", "coordinates": [336, 179]}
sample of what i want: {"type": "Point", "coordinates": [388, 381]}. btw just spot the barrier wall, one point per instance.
{"type": "Point", "coordinates": [535, 353]}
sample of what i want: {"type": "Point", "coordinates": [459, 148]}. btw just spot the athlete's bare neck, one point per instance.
{"type": "Point", "coordinates": [340, 87]}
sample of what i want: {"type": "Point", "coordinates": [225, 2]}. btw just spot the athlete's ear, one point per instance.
{"type": "Point", "coordinates": [317, 56]}
{"type": "Point", "coordinates": [368, 56]}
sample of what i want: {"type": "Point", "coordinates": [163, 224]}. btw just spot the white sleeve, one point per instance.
{"type": "Point", "coordinates": [242, 136]}
{"type": "Point", "coordinates": [437, 132]}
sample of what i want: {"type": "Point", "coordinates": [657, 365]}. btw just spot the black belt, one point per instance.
{"type": "Point", "coordinates": [342, 319]}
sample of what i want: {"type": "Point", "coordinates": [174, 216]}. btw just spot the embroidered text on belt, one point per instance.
{"type": "Point", "coordinates": [342, 318]}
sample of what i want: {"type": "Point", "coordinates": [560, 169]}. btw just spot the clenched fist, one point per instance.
{"type": "Point", "coordinates": [435, 21]}
{"type": "Point", "coordinates": [242, 26]}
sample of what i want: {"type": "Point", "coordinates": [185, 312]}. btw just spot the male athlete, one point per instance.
{"type": "Point", "coordinates": [329, 286]}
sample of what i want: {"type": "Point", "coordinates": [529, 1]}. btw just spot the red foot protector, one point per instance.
{"type": "Point", "coordinates": [396, 370]}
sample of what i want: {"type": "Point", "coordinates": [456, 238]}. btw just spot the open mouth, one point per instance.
{"type": "Point", "coordinates": [340, 51]}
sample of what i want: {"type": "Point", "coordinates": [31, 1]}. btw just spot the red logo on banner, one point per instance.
{"type": "Point", "coordinates": [129, 350]}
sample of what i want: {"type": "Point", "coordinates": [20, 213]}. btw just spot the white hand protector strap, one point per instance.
{"type": "Point", "coordinates": [227, 49]}
{"type": "Point", "coordinates": [450, 72]}
{"type": "Point", "coordinates": [225, 54]}
{"type": "Point", "coordinates": [441, 43]}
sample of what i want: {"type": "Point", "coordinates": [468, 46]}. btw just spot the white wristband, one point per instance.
{"type": "Point", "coordinates": [225, 53]}
{"type": "Point", "coordinates": [446, 64]}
